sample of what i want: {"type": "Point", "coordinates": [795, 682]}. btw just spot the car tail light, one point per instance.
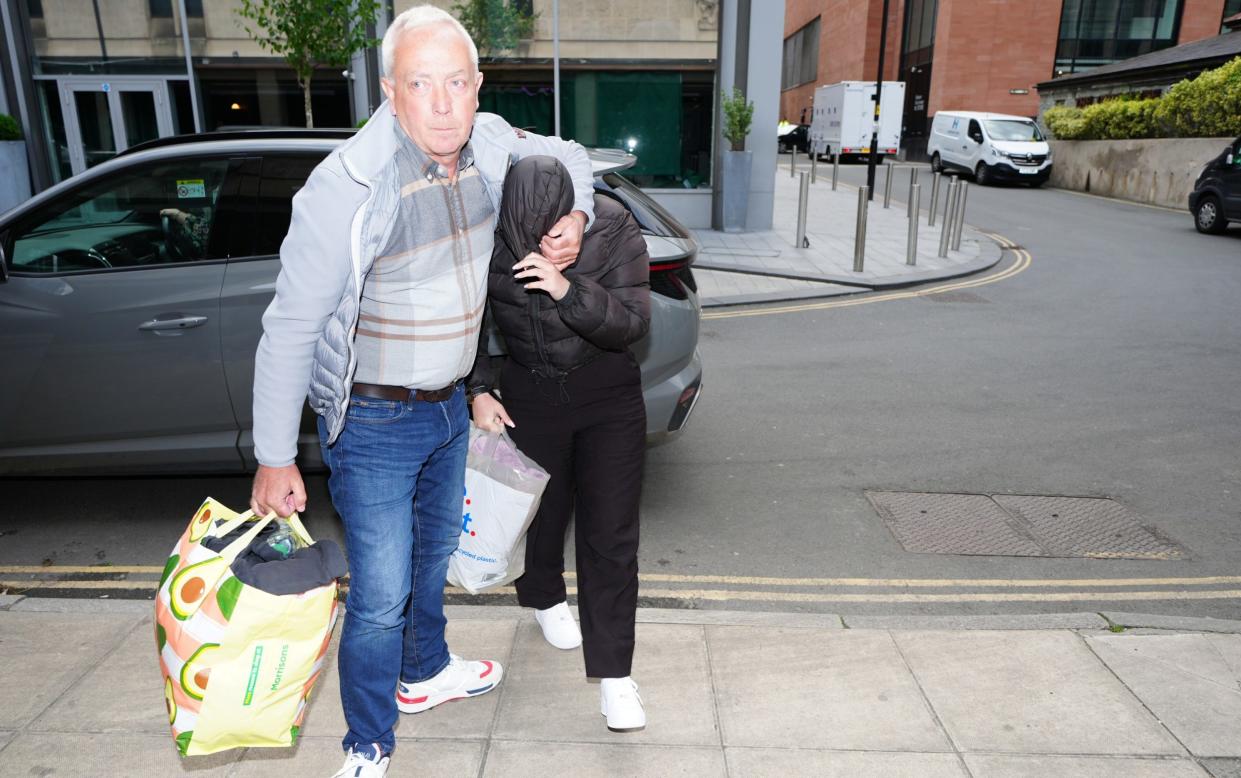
{"type": "Point", "coordinates": [672, 279]}
{"type": "Point", "coordinates": [685, 404]}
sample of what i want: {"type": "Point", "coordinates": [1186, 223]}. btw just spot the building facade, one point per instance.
{"type": "Point", "coordinates": [983, 55]}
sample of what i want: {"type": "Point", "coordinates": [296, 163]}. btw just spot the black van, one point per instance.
{"type": "Point", "coordinates": [1217, 193]}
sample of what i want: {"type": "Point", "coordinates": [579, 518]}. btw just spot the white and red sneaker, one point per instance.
{"type": "Point", "coordinates": [460, 679]}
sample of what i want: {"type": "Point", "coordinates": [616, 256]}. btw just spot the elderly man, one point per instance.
{"type": "Point", "coordinates": [378, 309]}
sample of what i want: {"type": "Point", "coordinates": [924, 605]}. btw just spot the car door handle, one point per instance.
{"type": "Point", "coordinates": [180, 322]}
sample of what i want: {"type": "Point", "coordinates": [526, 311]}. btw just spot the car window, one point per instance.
{"type": "Point", "coordinates": [975, 131]}
{"type": "Point", "coordinates": [147, 215]}
{"type": "Point", "coordinates": [283, 176]}
{"type": "Point", "coordinates": [1008, 129]}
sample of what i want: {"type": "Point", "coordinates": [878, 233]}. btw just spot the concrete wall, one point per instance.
{"type": "Point", "coordinates": [1160, 171]}
{"type": "Point", "coordinates": [691, 207]}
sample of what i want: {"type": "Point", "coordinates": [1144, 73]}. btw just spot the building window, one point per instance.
{"type": "Point", "coordinates": [1231, 8]}
{"type": "Point", "coordinates": [1098, 32]}
{"type": "Point", "coordinates": [801, 56]}
{"type": "Point", "coordinates": [162, 9]}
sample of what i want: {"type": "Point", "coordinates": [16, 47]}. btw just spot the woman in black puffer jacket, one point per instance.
{"type": "Point", "coordinates": [572, 393]}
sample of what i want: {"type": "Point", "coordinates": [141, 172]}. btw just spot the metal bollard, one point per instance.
{"type": "Point", "coordinates": [793, 162]}
{"type": "Point", "coordinates": [935, 179]}
{"type": "Point", "coordinates": [945, 232]}
{"type": "Point", "coordinates": [887, 186]}
{"type": "Point", "coordinates": [859, 234]}
{"type": "Point", "coordinates": [911, 247]}
{"type": "Point", "coordinates": [956, 234]}
{"type": "Point", "coordinates": [814, 167]}
{"type": "Point", "coordinates": [910, 211]}
{"type": "Point", "coordinates": [835, 169]}
{"type": "Point", "coordinates": [803, 198]}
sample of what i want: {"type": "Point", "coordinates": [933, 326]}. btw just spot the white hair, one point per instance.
{"type": "Point", "coordinates": [414, 18]}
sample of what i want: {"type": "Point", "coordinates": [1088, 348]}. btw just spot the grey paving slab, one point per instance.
{"type": "Point", "coordinates": [1179, 623]}
{"type": "Point", "coordinates": [472, 639]}
{"type": "Point", "coordinates": [77, 605]}
{"type": "Point", "coordinates": [508, 759]}
{"type": "Point", "coordinates": [321, 756]}
{"type": "Point", "coordinates": [80, 755]}
{"type": "Point", "coordinates": [1222, 768]}
{"type": "Point", "coordinates": [45, 653]}
{"type": "Point", "coordinates": [739, 618]}
{"type": "Point", "coordinates": [5, 737]}
{"type": "Point", "coordinates": [547, 697]}
{"type": "Point", "coordinates": [1191, 682]}
{"type": "Point", "coordinates": [801, 689]}
{"type": "Point", "coordinates": [1029, 692]}
{"type": "Point", "coordinates": [9, 600]}
{"type": "Point", "coordinates": [1010, 621]}
{"type": "Point", "coordinates": [1042, 766]}
{"type": "Point", "coordinates": [786, 763]}
{"type": "Point", "coordinates": [123, 693]}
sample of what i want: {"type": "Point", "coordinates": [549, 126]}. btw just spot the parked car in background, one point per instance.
{"type": "Point", "coordinates": [992, 147]}
{"type": "Point", "coordinates": [1216, 198]}
{"type": "Point", "coordinates": [131, 299]}
{"type": "Point", "coordinates": [793, 137]}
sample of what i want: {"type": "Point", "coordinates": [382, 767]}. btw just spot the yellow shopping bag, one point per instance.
{"type": "Point", "coordinates": [238, 662]}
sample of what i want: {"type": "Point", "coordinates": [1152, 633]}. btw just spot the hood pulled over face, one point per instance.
{"type": "Point", "coordinates": [536, 195]}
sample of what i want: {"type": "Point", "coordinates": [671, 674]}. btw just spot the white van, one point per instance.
{"type": "Point", "coordinates": [990, 146]}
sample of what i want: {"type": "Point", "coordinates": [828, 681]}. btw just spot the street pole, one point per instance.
{"type": "Point", "coordinates": [556, 63]}
{"type": "Point", "coordinates": [874, 137]}
{"type": "Point", "coordinates": [189, 67]}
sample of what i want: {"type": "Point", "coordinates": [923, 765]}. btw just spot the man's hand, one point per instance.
{"type": "Point", "coordinates": [489, 414]}
{"type": "Point", "coordinates": [563, 243]}
{"type": "Point", "coordinates": [537, 272]}
{"type": "Point", "coordinates": [278, 489]}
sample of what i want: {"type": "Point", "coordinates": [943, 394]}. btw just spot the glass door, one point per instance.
{"type": "Point", "coordinates": [105, 116]}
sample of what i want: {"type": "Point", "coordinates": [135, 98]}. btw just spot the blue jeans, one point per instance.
{"type": "Point", "coordinates": [398, 475]}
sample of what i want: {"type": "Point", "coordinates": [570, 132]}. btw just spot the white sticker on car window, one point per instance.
{"type": "Point", "coordinates": [191, 187]}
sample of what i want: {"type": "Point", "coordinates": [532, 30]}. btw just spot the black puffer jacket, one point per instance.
{"type": "Point", "coordinates": [608, 305]}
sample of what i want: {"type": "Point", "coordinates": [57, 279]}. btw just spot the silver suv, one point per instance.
{"type": "Point", "coordinates": [131, 297]}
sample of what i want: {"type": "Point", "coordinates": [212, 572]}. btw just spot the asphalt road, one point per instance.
{"type": "Point", "coordinates": [1109, 367]}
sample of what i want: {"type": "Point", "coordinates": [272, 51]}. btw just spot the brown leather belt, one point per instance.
{"type": "Point", "coordinates": [401, 394]}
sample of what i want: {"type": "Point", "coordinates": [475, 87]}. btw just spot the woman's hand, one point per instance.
{"type": "Point", "coordinates": [489, 414]}
{"type": "Point", "coordinates": [544, 275]}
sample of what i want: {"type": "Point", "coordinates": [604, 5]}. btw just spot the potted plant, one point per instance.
{"type": "Point", "coordinates": [14, 170]}
{"type": "Point", "coordinates": [735, 181]}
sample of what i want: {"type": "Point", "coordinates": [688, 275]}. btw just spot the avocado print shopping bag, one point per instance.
{"type": "Point", "coordinates": [238, 662]}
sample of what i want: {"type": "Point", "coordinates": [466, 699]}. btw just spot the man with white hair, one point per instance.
{"type": "Point", "coordinates": [377, 315]}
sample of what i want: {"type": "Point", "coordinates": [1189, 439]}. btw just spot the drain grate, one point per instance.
{"type": "Point", "coordinates": [1018, 525]}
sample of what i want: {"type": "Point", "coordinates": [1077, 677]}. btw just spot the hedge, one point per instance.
{"type": "Point", "coordinates": [9, 129]}
{"type": "Point", "coordinates": [1208, 106]}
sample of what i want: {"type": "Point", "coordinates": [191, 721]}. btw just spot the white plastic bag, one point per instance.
{"type": "Point", "coordinates": [502, 491]}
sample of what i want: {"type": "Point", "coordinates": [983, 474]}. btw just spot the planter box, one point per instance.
{"type": "Point", "coordinates": [1159, 171]}
{"type": "Point", "coordinates": [14, 174]}
{"type": "Point", "coordinates": [735, 187]}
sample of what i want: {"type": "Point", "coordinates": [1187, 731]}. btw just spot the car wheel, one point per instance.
{"type": "Point", "coordinates": [937, 166]}
{"type": "Point", "coordinates": [1207, 216]}
{"type": "Point", "coordinates": [982, 176]}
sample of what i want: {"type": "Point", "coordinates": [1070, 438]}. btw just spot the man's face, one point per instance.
{"type": "Point", "coordinates": [433, 90]}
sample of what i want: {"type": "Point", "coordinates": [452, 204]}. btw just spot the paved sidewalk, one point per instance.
{"type": "Point", "coordinates": [752, 267]}
{"type": "Point", "coordinates": [728, 694]}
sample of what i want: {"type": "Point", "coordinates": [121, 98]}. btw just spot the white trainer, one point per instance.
{"type": "Point", "coordinates": [558, 625]}
{"type": "Point", "coordinates": [461, 678]}
{"type": "Point", "coordinates": [365, 763]}
{"type": "Point", "coordinates": [621, 704]}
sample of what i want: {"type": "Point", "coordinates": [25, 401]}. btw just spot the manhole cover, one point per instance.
{"type": "Point", "coordinates": [1018, 525]}
{"type": "Point", "coordinates": [1089, 527]}
{"type": "Point", "coordinates": [952, 524]}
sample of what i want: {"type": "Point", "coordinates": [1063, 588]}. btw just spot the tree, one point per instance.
{"type": "Point", "coordinates": [495, 25]}
{"type": "Point", "coordinates": [310, 34]}
{"type": "Point", "coordinates": [738, 116]}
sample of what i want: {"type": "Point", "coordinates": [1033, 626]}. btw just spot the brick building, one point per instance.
{"type": "Point", "coordinates": [983, 55]}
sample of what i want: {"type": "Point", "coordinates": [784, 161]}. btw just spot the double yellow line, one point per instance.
{"type": "Point", "coordinates": [1023, 262]}
{"type": "Point", "coordinates": [689, 588]}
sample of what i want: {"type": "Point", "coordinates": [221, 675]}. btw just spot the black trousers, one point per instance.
{"type": "Point", "coordinates": [591, 438]}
